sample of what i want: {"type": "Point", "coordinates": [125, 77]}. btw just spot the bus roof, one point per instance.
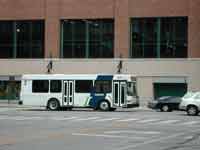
{"type": "Point", "coordinates": [77, 76]}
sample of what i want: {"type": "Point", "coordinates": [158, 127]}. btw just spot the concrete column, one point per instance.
{"type": "Point", "coordinates": [145, 89]}
{"type": "Point", "coordinates": [52, 28]}
{"type": "Point", "coordinates": [194, 29]}
{"type": "Point", "coordinates": [122, 26]}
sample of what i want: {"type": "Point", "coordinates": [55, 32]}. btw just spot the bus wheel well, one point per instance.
{"type": "Point", "coordinates": [53, 104]}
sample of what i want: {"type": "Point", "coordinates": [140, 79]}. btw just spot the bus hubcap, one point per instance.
{"type": "Point", "coordinates": [104, 106]}
{"type": "Point", "coordinates": [53, 105]}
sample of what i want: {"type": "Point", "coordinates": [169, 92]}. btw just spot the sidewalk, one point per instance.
{"type": "Point", "coordinates": [10, 104]}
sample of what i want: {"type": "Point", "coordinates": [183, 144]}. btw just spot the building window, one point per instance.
{"type": "Point", "coordinates": [6, 39]}
{"type": "Point", "coordinates": [9, 90]}
{"type": "Point", "coordinates": [56, 86]}
{"type": "Point", "coordinates": [22, 39]}
{"type": "Point", "coordinates": [40, 86]}
{"type": "Point", "coordinates": [164, 37]}
{"type": "Point", "coordinates": [83, 86]}
{"type": "Point", "coordinates": [87, 38]}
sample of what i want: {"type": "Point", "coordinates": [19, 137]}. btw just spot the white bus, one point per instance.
{"type": "Point", "coordinates": [100, 92]}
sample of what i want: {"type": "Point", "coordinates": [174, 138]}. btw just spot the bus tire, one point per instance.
{"type": "Point", "coordinates": [104, 105]}
{"type": "Point", "coordinates": [53, 104]}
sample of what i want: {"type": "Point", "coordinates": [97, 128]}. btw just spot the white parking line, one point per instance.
{"type": "Point", "coordinates": [148, 121]}
{"type": "Point", "coordinates": [106, 119]}
{"type": "Point", "coordinates": [133, 131]}
{"type": "Point", "coordinates": [63, 118]}
{"type": "Point", "coordinates": [85, 119]}
{"type": "Point", "coordinates": [127, 120]}
{"type": "Point", "coordinates": [150, 141]}
{"type": "Point", "coordinates": [167, 122]}
{"type": "Point", "coordinates": [190, 123]}
{"type": "Point", "coordinates": [108, 136]}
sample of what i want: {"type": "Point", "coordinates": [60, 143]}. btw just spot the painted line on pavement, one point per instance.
{"type": "Point", "coordinates": [106, 119]}
{"type": "Point", "coordinates": [127, 120]}
{"type": "Point", "coordinates": [148, 121]}
{"type": "Point", "coordinates": [63, 118]}
{"type": "Point", "coordinates": [108, 136]}
{"type": "Point", "coordinates": [150, 141]}
{"type": "Point", "coordinates": [190, 123]}
{"type": "Point", "coordinates": [133, 131]}
{"type": "Point", "coordinates": [167, 122]}
{"type": "Point", "coordinates": [85, 119]}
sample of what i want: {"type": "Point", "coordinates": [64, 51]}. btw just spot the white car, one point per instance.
{"type": "Point", "coordinates": [191, 103]}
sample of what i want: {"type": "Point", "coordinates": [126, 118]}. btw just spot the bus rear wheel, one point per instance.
{"type": "Point", "coordinates": [104, 105]}
{"type": "Point", "coordinates": [53, 104]}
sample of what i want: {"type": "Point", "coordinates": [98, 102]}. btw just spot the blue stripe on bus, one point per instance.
{"type": "Point", "coordinates": [97, 97]}
{"type": "Point", "coordinates": [94, 101]}
{"type": "Point", "coordinates": [105, 77]}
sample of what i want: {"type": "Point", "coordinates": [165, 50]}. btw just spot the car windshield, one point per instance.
{"type": "Point", "coordinates": [188, 95]}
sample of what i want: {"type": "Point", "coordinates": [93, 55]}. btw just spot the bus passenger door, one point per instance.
{"type": "Point", "coordinates": [119, 93]}
{"type": "Point", "coordinates": [68, 93]}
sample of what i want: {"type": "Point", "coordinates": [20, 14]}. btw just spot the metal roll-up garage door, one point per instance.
{"type": "Point", "coordinates": [169, 87]}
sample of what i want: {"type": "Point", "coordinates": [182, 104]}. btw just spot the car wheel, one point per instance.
{"type": "Point", "coordinates": [53, 104]}
{"type": "Point", "coordinates": [165, 108]}
{"type": "Point", "coordinates": [104, 105]}
{"type": "Point", "coordinates": [192, 111]}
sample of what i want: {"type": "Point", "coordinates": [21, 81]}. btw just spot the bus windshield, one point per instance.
{"type": "Point", "coordinates": [131, 89]}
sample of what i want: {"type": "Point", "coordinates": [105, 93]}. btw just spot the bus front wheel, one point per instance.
{"type": "Point", "coordinates": [104, 105]}
{"type": "Point", "coordinates": [53, 104]}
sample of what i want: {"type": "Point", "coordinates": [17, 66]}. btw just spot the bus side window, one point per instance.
{"type": "Point", "coordinates": [103, 86]}
{"type": "Point", "coordinates": [55, 86]}
{"type": "Point", "coordinates": [40, 86]}
{"type": "Point", "coordinates": [83, 86]}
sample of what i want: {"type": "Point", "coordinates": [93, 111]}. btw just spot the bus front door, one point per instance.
{"type": "Point", "coordinates": [68, 93]}
{"type": "Point", "coordinates": [119, 93]}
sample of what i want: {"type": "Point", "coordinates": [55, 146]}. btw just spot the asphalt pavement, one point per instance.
{"type": "Point", "coordinates": [84, 129]}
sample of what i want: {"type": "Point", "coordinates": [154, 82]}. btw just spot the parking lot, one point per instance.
{"type": "Point", "coordinates": [127, 129]}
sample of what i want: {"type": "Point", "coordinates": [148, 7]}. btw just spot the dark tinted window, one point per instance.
{"type": "Point", "coordinates": [10, 90]}
{"type": "Point", "coordinates": [6, 39]}
{"type": "Point", "coordinates": [83, 86]}
{"type": "Point", "coordinates": [103, 86]}
{"type": "Point", "coordinates": [55, 86]}
{"type": "Point", "coordinates": [159, 37]}
{"type": "Point", "coordinates": [91, 38]}
{"type": "Point", "coordinates": [40, 86]}
{"type": "Point", "coordinates": [22, 39]}
{"type": "Point", "coordinates": [30, 39]}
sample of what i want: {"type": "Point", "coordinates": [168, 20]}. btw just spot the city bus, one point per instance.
{"type": "Point", "coordinates": [100, 92]}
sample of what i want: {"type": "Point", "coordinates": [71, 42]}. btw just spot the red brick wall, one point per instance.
{"type": "Point", "coordinates": [144, 8]}
{"type": "Point", "coordinates": [122, 10]}
{"type": "Point", "coordinates": [194, 29]}
{"type": "Point", "coordinates": [22, 9]}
